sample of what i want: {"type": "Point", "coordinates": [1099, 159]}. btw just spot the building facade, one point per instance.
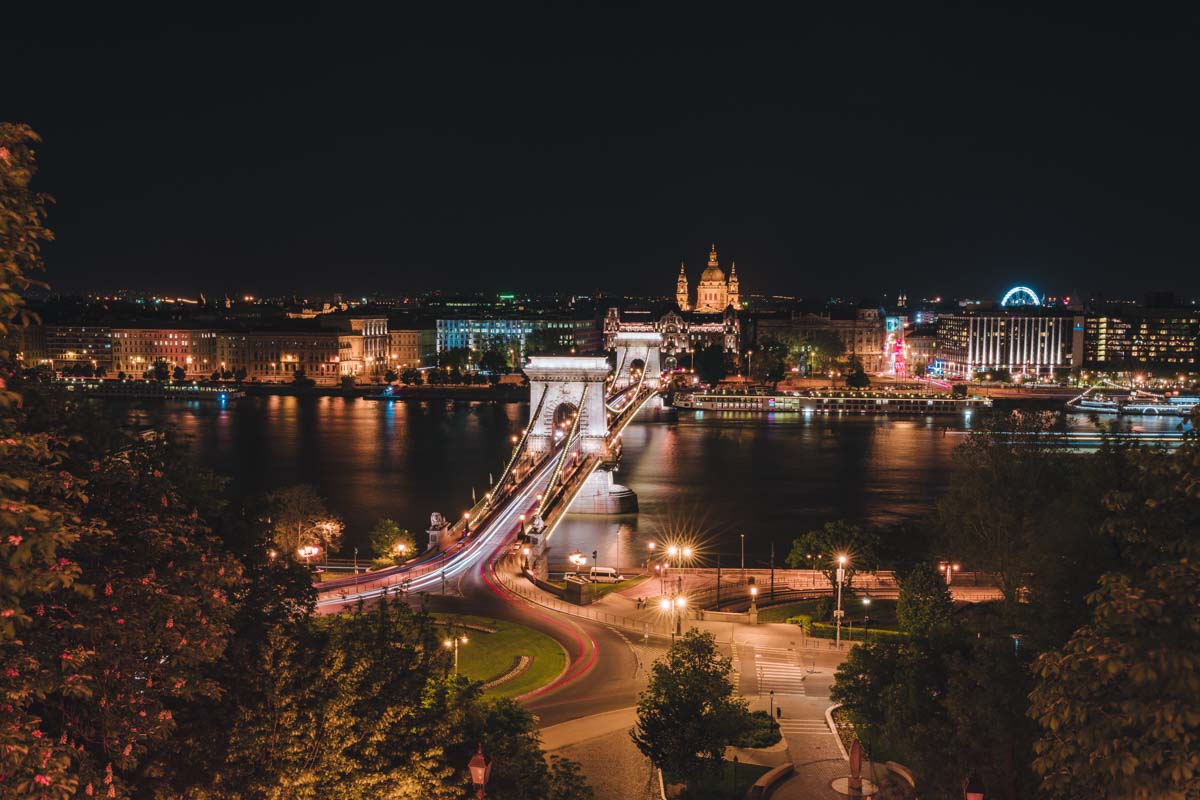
{"type": "Point", "coordinates": [714, 293]}
{"type": "Point", "coordinates": [682, 332]}
{"type": "Point", "coordinates": [136, 350]}
{"type": "Point", "coordinates": [509, 334]}
{"type": "Point", "coordinates": [862, 332]}
{"type": "Point", "coordinates": [364, 344]}
{"type": "Point", "coordinates": [1023, 342]}
{"type": "Point", "coordinates": [1151, 339]}
{"type": "Point", "coordinates": [276, 356]}
{"type": "Point", "coordinates": [412, 347]}
{"type": "Point", "coordinates": [64, 346]}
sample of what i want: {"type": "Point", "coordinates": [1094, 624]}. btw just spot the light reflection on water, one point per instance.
{"type": "Point", "coordinates": [769, 476]}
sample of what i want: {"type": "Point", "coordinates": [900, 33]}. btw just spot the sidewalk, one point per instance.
{"type": "Point", "coordinates": [614, 766]}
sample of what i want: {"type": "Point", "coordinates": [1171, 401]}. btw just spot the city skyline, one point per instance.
{"type": "Point", "coordinates": [953, 153]}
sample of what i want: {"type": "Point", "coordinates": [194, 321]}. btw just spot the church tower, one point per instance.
{"type": "Point", "coordinates": [711, 294]}
{"type": "Point", "coordinates": [681, 289]}
{"type": "Point", "coordinates": [733, 293]}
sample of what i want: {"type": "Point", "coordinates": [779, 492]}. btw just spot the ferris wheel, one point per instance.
{"type": "Point", "coordinates": [1021, 296]}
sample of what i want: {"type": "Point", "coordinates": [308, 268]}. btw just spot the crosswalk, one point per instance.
{"type": "Point", "coordinates": [803, 727]}
{"type": "Point", "coordinates": [778, 670]}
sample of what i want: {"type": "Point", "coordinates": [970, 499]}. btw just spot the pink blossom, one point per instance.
{"type": "Point", "coordinates": [41, 780]}
{"type": "Point", "coordinates": [15, 541]}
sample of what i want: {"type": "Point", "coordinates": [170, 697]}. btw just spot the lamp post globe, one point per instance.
{"type": "Point", "coordinates": [481, 770]}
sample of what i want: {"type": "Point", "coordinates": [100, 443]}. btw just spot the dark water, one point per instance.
{"type": "Point", "coordinates": [706, 477]}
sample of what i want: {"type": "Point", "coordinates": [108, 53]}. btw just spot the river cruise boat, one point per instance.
{"type": "Point", "coordinates": [834, 401]}
{"type": "Point", "coordinates": [1135, 403]}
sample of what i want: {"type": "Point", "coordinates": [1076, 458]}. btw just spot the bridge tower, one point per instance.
{"type": "Point", "coordinates": [570, 385]}
{"type": "Point", "coordinates": [639, 350]}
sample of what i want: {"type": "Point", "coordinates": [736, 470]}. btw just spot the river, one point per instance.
{"type": "Point", "coordinates": [705, 476]}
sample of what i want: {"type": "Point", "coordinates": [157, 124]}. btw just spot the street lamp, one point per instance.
{"type": "Point", "coordinates": [453, 643]}
{"type": "Point", "coordinates": [866, 601]}
{"type": "Point", "coordinates": [525, 552]}
{"type": "Point", "coordinates": [949, 569]}
{"type": "Point", "coordinates": [743, 537]}
{"type": "Point", "coordinates": [753, 599]}
{"type": "Point", "coordinates": [481, 771]}
{"type": "Point", "coordinates": [466, 522]}
{"type": "Point", "coordinates": [307, 552]}
{"type": "Point", "coordinates": [674, 605]}
{"type": "Point", "coordinates": [838, 614]}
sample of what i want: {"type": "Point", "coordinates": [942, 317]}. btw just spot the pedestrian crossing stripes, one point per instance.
{"type": "Point", "coordinates": [803, 727]}
{"type": "Point", "coordinates": [777, 670]}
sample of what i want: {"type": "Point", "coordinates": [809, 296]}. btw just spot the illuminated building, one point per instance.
{"type": "Point", "coordinates": [1032, 342]}
{"type": "Point", "coordinates": [714, 293]}
{"type": "Point", "coordinates": [275, 356]}
{"type": "Point", "coordinates": [862, 331]}
{"type": "Point", "coordinates": [505, 333]}
{"type": "Point", "coordinates": [135, 350]}
{"type": "Point", "coordinates": [364, 343]}
{"type": "Point", "coordinates": [64, 346]}
{"type": "Point", "coordinates": [411, 347]}
{"type": "Point", "coordinates": [1166, 339]}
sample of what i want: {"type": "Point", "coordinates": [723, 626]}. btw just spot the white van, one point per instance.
{"type": "Point", "coordinates": [605, 575]}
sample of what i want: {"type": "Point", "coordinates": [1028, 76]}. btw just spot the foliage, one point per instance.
{"type": "Point", "coordinates": [299, 518]}
{"type": "Point", "coordinates": [301, 379]}
{"type": "Point", "coordinates": [761, 731]}
{"type": "Point", "coordinates": [689, 712]}
{"type": "Point", "coordinates": [178, 374]}
{"type": "Point", "coordinates": [390, 376]}
{"type": "Point", "coordinates": [710, 364]}
{"type": "Point", "coordinates": [820, 349]}
{"type": "Point", "coordinates": [1119, 704]}
{"type": "Point", "coordinates": [495, 361]}
{"type": "Point", "coordinates": [924, 603]}
{"type": "Point", "coordinates": [858, 377]}
{"type": "Point", "coordinates": [820, 548]}
{"type": "Point", "coordinates": [411, 376]}
{"type": "Point", "coordinates": [454, 357]}
{"type": "Point", "coordinates": [769, 362]}
{"type": "Point", "coordinates": [158, 371]}
{"type": "Point", "coordinates": [545, 342]}
{"type": "Point", "coordinates": [390, 541]}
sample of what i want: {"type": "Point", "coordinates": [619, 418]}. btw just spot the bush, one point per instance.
{"type": "Point", "coordinates": [762, 731]}
{"type": "Point", "coordinates": [824, 609]}
{"type": "Point", "coordinates": [805, 621]}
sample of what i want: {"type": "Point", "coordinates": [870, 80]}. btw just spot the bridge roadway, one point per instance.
{"type": "Point", "coordinates": [463, 580]}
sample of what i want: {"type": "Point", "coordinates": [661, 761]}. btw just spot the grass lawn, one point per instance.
{"type": "Point", "coordinates": [487, 656]}
{"type": "Point", "coordinates": [883, 617]}
{"type": "Point", "coordinates": [724, 788]}
{"type": "Point", "coordinates": [601, 589]}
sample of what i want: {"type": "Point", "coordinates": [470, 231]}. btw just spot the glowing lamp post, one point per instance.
{"type": "Point", "coordinates": [838, 614]}
{"type": "Point", "coordinates": [481, 770]}
{"type": "Point", "coordinates": [973, 788]}
{"type": "Point", "coordinates": [525, 552]}
{"type": "Point", "coordinates": [949, 569]}
{"type": "Point", "coordinates": [307, 552]}
{"type": "Point", "coordinates": [466, 522]}
{"type": "Point", "coordinates": [452, 644]}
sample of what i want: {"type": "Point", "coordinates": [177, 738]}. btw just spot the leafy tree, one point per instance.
{"type": "Point", "coordinates": [390, 376]}
{"type": "Point", "coordinates": [159, 371]}
{"type": "Point", "coordinates": [178, 374]}
{"type": "Point", "coordinates": [38, 519]}
{"type": "Point", "coordinates": [689, 712]}
{"type": "Point", "coordinates": [858, 377]}
{"type": "Point", "coordinates": [411, 376]}
{"type": "Point", "coordinates": [769, 362]}
{"type": "Point", "coordinates": [454, 357]}
{"type": "Point", "coordinates": [216, 375]}
{"type": "Point", "coordinates": [301, 379]}
{"type": "Point", "coordinates": [1119, 705]}
{"type": "Point", "coordinates": [823, 349]}
{"type": "Point", "coordinates": [299, 518]}
{"type": "Point", "coordinates": [240, 374]}
{"type": "Point", "coordinates": [924, 604]}
{"type": "Point", "coordinates": [494, 361]}
{"type": "Point", "coordinates": [349, 381]}
{"type": "Point", "coordinates": [121, 376]}
{"type": "Point", "coordinates": [820, 549]}
{"type": "Point", "coordinates": [567, 781]}
{"type": "Point", "coordinates": [710, 364]}
{"type": "Point", "coordinates": [544, 342]}
{"type": "Point", "coordinates": [391, 542]}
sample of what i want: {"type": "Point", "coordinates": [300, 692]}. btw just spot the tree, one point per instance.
{"type": "Point", "coordinates": [710, 364]}
{"type": "Point", "coordinates": [544, 342]}
{"type": "Point", "coordinates": [240, 374]}
{"type": "Point", "coordinates": [38, 523]}
{"type": "Point", "coordinates": [454, 357]}
{"type": "Point", "coordinates": [1119, 705]}
{"type": "Point", "coordinates": [301, 379]}
{"type": "Point", "coordinates": [178, 374]}
{"type": "Point", "coordinates": [925, 602]}
{"type": "Point", "coordinates": [411, 376]}
{"type": "Point", "coordinates": [820, 549]}
{"type": "Point", "coordinates": [689, 712]}
{"type": "Point", "coordinates": [858, 377]}
{"type": "Point", "coordinates": [1007, 488]}
{"type": "Point", "coordinates": [159, 371]}
{"type": "Point", "coordinates": [824, 348]}
{"type": "Point", "coordinates": [769, 362]}
{"type": "Point", "coordinates": [216, 375]}
{"type": "Point", "coordinates": [299, 518]}
{"type": "Point", "coordinates": [494, 361]}
{"type": "Point", "coordinates": [391, 542]}
{"type": "Point", "coordinates": [348, 381]}
{"type": "Point", "coordinates": [390, 376]}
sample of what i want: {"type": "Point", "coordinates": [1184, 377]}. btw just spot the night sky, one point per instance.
{"type": "Point", "coordinates": [853, 150]}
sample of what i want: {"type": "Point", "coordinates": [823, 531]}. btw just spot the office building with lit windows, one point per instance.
{"type": "Point", "coordinates": [1152, 339]}
{"type": "Point", "coordinates": [1029, 341]}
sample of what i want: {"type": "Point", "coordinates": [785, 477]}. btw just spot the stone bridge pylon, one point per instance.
{"type": "Point", "coordinates": [638, 352]}
{"type": "Point", "coordinates": [559, 388]}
